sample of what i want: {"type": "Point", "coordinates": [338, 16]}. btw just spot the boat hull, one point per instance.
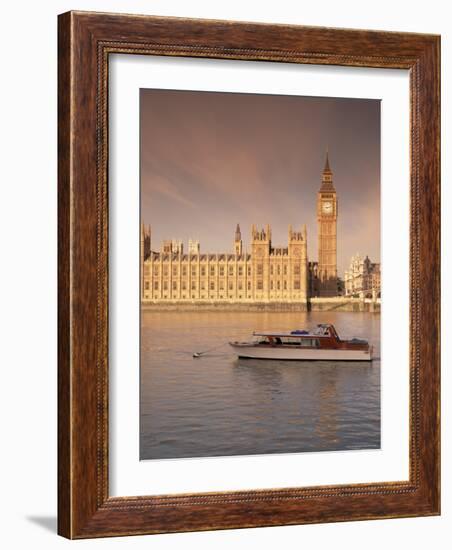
{"type": "Point", "coordinates": [249, 351]}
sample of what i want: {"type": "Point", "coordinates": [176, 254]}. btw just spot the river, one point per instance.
{"type": "Point", "coordinates": [217, 405]}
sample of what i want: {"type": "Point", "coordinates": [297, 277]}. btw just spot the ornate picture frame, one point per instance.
{"type": "Point", "coordinates": [86, 40]}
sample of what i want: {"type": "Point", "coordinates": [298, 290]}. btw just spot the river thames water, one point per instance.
{"type": "Point", "coordinates": [218, 405]}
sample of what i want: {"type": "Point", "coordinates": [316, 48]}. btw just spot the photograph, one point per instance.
{"type": "Point", "coordinates": [237, 228]}
{"type": "Point", "coordinates": [260, 274]}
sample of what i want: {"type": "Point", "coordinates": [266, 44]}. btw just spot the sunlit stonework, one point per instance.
{"type": "Point", "coordinates": [264, 274]}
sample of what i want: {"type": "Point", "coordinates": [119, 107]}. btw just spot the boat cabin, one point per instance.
{"type": "Point", "coordinates": [324, 336]}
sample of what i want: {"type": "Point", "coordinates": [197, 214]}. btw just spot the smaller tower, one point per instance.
{"type": "Point", "coordinates": [177, 246]}
{"type": "Point", "coordinates": [298, 263]}
{"type": "Point", "coordinates": [145, 251]}
{"type": "Point", "coordinates": [145, 241]}
{"type": "Point", "coordinates": [238, 245]}
{"type": "Point", "coordinates": [194, 247]}
{"type": "Point", "coordinates": [260, 255]}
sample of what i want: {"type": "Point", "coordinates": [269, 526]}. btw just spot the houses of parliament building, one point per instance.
{"type": "Point", "coordinates": [265, 274]}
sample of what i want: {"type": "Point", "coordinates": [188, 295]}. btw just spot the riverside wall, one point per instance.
{"type": "Point", "coordinates": [314, 304]}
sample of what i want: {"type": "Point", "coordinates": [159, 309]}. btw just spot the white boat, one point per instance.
{"type": "Point", "coordinates": [321, 344]}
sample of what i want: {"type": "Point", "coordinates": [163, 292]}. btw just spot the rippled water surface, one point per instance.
{"type": "Point", "coordinates": [218, 405]}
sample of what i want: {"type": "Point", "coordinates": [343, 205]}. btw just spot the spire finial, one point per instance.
{"type": "Point", "coordinates": [327, 162]}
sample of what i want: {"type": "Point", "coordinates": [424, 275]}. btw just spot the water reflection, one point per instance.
{"type": "Point", "coordinates": [219, 405]}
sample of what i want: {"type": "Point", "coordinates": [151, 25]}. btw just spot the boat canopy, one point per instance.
{"type": "Point", "coordinates": [320, 330]}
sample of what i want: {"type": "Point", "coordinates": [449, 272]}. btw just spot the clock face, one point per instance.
{"type": "Point", "coordinates": [327, 207]}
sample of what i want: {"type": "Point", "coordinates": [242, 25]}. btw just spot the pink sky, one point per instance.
{"type": "Point", "coordinates": [211, 160]}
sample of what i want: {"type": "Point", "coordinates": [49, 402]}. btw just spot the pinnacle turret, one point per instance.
{"type": "Point", "coordinates": [238, 234]}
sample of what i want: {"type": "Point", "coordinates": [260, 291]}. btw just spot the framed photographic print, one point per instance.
{"type": "Point", "coordinates": [248, 275]}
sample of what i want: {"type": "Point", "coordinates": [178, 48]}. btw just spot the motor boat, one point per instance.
{"type": "Point", "coordinates": [321, 344]}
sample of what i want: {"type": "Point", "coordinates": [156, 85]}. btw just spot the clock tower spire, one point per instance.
{"type": "Point", "coordinates": [327, 233]}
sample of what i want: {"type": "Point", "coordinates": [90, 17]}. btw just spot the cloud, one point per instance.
{"type": "Point", "coordinates": [159, 184]}
{"type": "Point", "coordinates": [210, 160]}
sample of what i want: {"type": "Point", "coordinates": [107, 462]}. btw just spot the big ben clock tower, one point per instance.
{"type": "Point", "coordinates": [327, 233]}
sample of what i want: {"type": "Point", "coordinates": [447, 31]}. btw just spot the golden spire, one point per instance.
{"type": "Point", "coordinates": [327, 163]}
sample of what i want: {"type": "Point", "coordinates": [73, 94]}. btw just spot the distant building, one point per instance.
{"type": "Point", "coordinates": [362, 278]}
{"type": "Point", "coordinates": [265, 274]}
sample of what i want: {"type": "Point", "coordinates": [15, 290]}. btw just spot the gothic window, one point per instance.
{"type": "Point", "coordinates": [279, 270]}
{"type": "Point", "coordinates": [184, 285]}
{"type": "Point", "coordinates": [296, 270]}
{"type": "Point", "coordinates": [260, 269]}
{"type": "Point", "coordinates": [271, 270]}
{"type": "Point", "coordinates": [249, 272]}
{"type": "Point", "coordinates": [249, 285]}
{"type": "Point", "coordinates": [285, 285]}
{"type": "Point", "coordinates": [212, 285]}
{"type": "Point", "coordinates": [296, 284]}
{"type": "Point", "coordinates": [260, 285]}
{"type": "Point", "coordinates": [271, 285]}
{"type": "Point", "coordinates": [221, 285]}
{"type": "Point", "coordinates": [203, 271]}
{"type": "Point", "coordinates": [156, 285]}
{"type": "Point", "coordinates": [231, 271]}
{"type": "Point", "coordinates": [156, 271]}
{"type": "Point", "coordinates": [279, 285]}
{"type": "Point", "coordinates": [193, 285]}
{"type": "Point", "coordinates": [165, 271]}
{"type": "Point", "coordinates": [174, 271]}
{"type": "Point", "coordinates": [165, 285]}
{"type": "Point", "coordinates": [240, 270]}
{"type": "Point", "coordinates": [221, 271]}
{"type": "Point", "coordinates": [212, 270]}
{"type": "Point", "coordinates": [193, 270]}
{"type": "Point", "coordinates": [174, 285]}
{"type": "Point", "coordinates": [146, 285]}
{"type": "Point", "coordinates": [240, 285]}
{"type": "Point", "coordinates": [285, 270]}
{"type": "Point", "coordinates": [231, 286]}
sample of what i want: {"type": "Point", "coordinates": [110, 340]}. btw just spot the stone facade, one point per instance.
{"type": "Point", "coordinates": [266, 274]}
{"type": "Point", "coordinates": [363, 278]}
{"type": "Point", "coordinates": [193, 247]}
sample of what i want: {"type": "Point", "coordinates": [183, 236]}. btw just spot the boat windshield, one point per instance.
{"type": "Point", "coordinates": [287, 341]}
{"type": "Point", "coordinates": [322, 330]}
